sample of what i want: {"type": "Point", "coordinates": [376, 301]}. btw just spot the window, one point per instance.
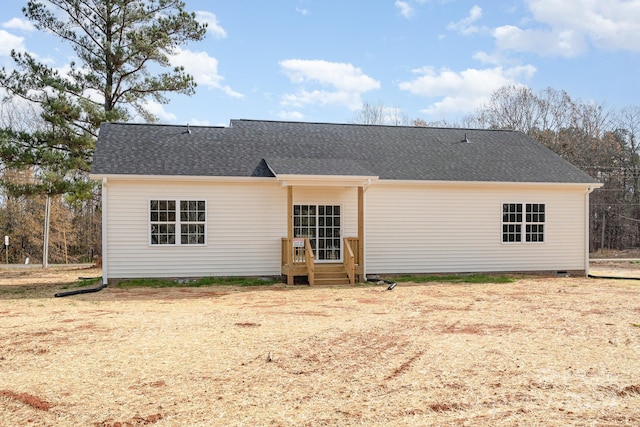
{"type": "Point", "coordinates": [169, 217]}
{"type": "Point", "coordinates": [511, 222]}
{"type": "Point", "coordinates": [534, 222]}
{"type": "Point", "coordinates": [514, 221]}
{"type": "Point", "coordinates": [192, 218]}
{"type": "Point", "coordinates": [163, 222]}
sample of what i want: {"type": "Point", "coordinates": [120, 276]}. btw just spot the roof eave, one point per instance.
{"type": "Point", "coordinates": [184, 178]}
{"type": "Point", "coordinates": [591, 185]}
{"type": "Point", "coordinates": [339, 180]}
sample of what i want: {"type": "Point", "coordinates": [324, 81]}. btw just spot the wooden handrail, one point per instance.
{"type": "Point", "coordinates": [353, 243]}
{"type": "Point", "coordinates": [310, 260]}
{"type": "Point", "coordinates": [349, 262]}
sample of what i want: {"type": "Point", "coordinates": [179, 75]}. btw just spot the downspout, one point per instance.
{"type": "Point", "coordinates": [364, 227]}
{"type": "Point", "coordinates": [105, 263]}
{"type": "Point", "coordinates": [588, 191]}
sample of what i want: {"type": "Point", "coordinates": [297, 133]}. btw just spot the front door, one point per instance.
{"type": "Point", "coordinates": [321, 224]}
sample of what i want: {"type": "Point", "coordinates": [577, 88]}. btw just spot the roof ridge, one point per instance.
{"type": "Point", "coordinates": [165, 125]}
{"type": "Point", "coordinates": [367, 125]}
{"type": "Point", "coordinates": [291, 122]}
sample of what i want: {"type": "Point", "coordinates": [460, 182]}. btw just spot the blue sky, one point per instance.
{"type": "Point", "coordinates": [319, 60]}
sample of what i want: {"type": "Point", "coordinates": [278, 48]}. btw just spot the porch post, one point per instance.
{"type": "Point", "coordinates": [290, 233]}
{"type": "Point", "coordinates": [361, 233]}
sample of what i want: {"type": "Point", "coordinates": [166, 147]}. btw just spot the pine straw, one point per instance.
{"type": "Point", "coordinates": [537, 352]}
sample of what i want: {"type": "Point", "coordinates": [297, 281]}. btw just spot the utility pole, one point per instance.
{"type": "Point", "coordinates": [45, 245]}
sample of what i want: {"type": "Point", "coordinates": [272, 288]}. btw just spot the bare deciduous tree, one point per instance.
{"type": "Point", "coordinates": [380, 114]}
{"type": "Point", "coordinates": [601, 142]}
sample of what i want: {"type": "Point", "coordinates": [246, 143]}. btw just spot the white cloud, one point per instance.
{"type": "Point", "coordinates": [495, 58]}
{"type": "Point", "coordinates": [465, 91]}
{"type": "Point", "coordinates": [464, 26]}
{"type": "Point", "coordinates": [18, 24]}
{"type": "Point", "coordinates": [571, 26]}
{"type": "Point", "coordinates": [302, 11]}
{"type": "Point", "coordinates": [213, 27]}
{"type": "Point", "coordinates": [158, 110]}
{"type": "Point", "coordinates": [204, 69]}
{"type": "Point", "coordinates": [343, 76]}
{"type": "Point", "coordinates": [291, 115]}
{"type": "Point", "coordinates": [346, 83]}
{"type": "Point", "coordinates": [197, 122]}
{"type": "Point", "coordinates": [404, 8]}
{"type": "Point", "coordinates": [542, 42]}
{"type": "Point", "coordinates": [8, 42]}
{"type": "Point", "coordinates": [353, 101]}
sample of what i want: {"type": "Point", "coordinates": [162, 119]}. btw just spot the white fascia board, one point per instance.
{"type": "Point", "coordinates": [557, 185]}
{"type": "Point", "coordinates": [181, 178]}
{"type": "Point", "coordinates": [342, 180]}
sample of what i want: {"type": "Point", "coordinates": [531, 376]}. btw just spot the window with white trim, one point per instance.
{"type": "Point", "coordinates": [534, 222]}
{"type": "Point", "coordinates": [177, 222]}
{"type": "Point", "coordinates": [520, 219]}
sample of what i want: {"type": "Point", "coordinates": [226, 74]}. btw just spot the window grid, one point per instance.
{"type": "Point", "coordinates": [515, 221]}
{"type": "Point", "coordinates": [168, 217]}
{"type": "Point", "coordinates": [192, 218]}
{"type": "Point", "coordinates": [329, 243]}
{"type": "Point", "coordinates": [535, 218]}
{"type": "Point", "coordinates": [321, 225]}
{"type": "Point", "coordinates": [511, 222]}
{"type": "Point", "coordinates": [304, 223]}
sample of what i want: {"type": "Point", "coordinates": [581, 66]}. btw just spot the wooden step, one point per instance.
{"type": "Point", "coordinates": [330, 267]}
{"type": "Point", "coordinates": [331, 274]}
{"type": "Point", "coordinates": [331, 282]}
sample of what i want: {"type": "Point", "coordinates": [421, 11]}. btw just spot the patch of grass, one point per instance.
{"type": "Point", "coordinates": [10, 290]}
{"type": "Point", "coordinates": [195, 283]}
{"type": "Point", "coordinates": [457, 278]}
{"type": "Point", "coordinates": [83, 283]}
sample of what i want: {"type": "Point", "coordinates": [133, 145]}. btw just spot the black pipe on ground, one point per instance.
{"type": "Point", "coordinates": [80, 291]}
{"type": "Point", "coordinates": [377, 280]}
{"type": "Point", "coordinates": [591, 276]}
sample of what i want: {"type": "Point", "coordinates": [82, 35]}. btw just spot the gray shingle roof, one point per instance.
{"type": "Point", "coordinates": [255, 148]}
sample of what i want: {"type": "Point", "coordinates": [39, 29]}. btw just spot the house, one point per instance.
{"type": "Point", "coordinates": [335, 202]}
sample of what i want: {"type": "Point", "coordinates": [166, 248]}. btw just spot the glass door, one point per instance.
{"type": "Point", "coordinates": [305, 223]}
{"type": "Point", "coordinates": [329, 240]}
{"type": "Point", "coordinates": [321, 224]}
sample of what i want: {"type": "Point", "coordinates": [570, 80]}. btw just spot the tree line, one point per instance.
{"type": "Point", "coordinates": [50, 119]}
{"type": "Point", "coordinates": [49, 123]}
{"type": "Point", "coordinates": [602, 142]}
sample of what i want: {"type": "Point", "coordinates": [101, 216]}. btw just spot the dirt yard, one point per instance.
{"type": "Point", "coordinates": [538, 352]}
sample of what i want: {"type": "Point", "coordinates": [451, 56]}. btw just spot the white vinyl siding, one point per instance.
{"type": "Point", "coordinates": [409, 228]}
{"type": "Point", "coordinates": [423, 228]}
{"type": "Point", "coordinates": [244, 226]}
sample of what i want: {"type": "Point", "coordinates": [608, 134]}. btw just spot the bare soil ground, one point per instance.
{"type": "Point", "coordinates": [537, 352]}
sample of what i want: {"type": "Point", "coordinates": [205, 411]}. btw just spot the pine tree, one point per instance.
{"type": "Point", "coordinates": [118, 43]}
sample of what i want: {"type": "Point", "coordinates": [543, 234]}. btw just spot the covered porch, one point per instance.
{"type": "Point", "coordinates": [318, 245]}
{"type": "Point", "coordinates": [325, 218]}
